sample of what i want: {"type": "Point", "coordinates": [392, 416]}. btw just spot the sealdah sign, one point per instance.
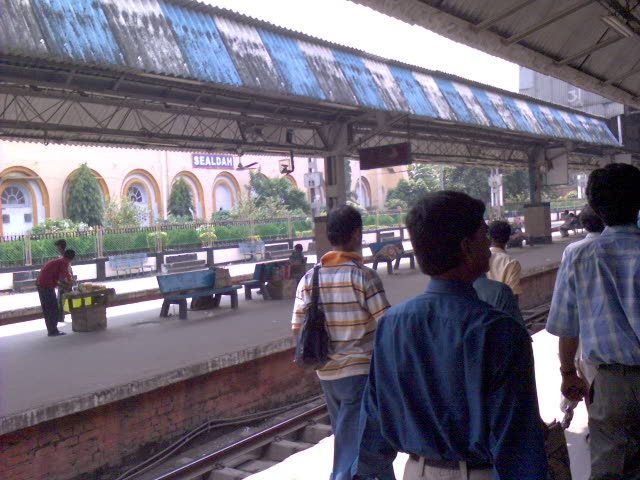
{"type": "Point", "coordinates": [203, 160]}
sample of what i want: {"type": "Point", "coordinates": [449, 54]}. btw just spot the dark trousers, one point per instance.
{"type": "Point", "coordinates": [60, 305]}
{"type": "Point", "coordinates": [614, 423]}
{"type": "Point", "coordinates": [49, 303]}
{"type": "Point", "coordinates": [343, 402]}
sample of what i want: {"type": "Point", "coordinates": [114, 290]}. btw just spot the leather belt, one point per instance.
{"type": "Point", "coordinates": [449, 464]}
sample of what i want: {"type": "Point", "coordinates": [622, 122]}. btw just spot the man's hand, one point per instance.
{"type": "Point", "coordinates": [573, 387]}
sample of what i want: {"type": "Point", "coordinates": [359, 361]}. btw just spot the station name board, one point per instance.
{"type": "Point", "coordinates": [205, 160]}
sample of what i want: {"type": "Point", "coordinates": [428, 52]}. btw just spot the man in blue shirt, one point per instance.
{"type": "Point", "coordinates": [597, 301]}
{"type": "Point", "coordinates": [499, 295]}
{"type": "Point", "coordinates": [451, 380]}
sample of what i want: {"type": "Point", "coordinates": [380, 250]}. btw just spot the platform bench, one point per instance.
{"type": "Point", "coordinates": [176, 288]}
{"type": "Point", "coordinates": [377, 247]}
{"type": "Point", "coordinates": [183, 263]}
{"type": "Point", "coordinates": [261, 275]}
{"type": "Point", "coordinates": [129, 262]}
{"type": "Point", "coordinates": [23, 281]}
{"type": "Point", "coordinates": [277, 251]}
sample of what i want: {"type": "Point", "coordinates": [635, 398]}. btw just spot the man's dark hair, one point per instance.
{"type": "Point", "coordinates": [590, 220]}
{"type": "Point", "coordinates": [298, 247]}
{"type": "Point", "coordinates": [437, 224]}
{"type": "Point", "coordinates": [614, 193]}
{"type": "Point", "coordinates": [70, 254]}
{"type": "Point", "coordinates": [500, 231]}
{"type": "Point", "coordinates": [61, 243]}
{"type": "Point", "coordinates": [341, 223]}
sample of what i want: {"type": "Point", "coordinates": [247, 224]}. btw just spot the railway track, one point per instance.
{"type": "Point", "coordinates": [258, 451]}
{"type": "Point", "coordinates": [274, 444]}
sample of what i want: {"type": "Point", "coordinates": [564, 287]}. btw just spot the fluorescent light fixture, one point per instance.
{"type": "Point", "coordinates": [618, 25]}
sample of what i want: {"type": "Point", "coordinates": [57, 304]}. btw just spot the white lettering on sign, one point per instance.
{"type": "Point", "coordinates": [203, 160]}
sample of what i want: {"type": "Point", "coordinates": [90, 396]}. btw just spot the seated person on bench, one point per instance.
{"type": "Point", "coordinates": [297, 257]}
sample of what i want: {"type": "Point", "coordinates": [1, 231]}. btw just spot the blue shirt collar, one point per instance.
{"type": "Point", "coordinates": [451, 287]}
{"type": "Point", "coordinates": [631, 228]}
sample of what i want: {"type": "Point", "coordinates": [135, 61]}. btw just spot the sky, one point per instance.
{"type": "Point", "coordinates": [360, 27]}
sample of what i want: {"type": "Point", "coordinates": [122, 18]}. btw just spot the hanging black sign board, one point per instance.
{"type": "Point", "coordinates": [385, 156]}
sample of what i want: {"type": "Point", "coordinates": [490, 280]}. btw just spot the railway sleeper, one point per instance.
{"type": "Point", "coordinates": [227, 473]}
{"type": "Point", "coordinates": [315, 433]}
{"type": "Point", "coordinates": [283, 449]}
{"type": "Point", "coordinates": [255, 466]}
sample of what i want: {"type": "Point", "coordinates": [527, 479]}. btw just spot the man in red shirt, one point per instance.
{"type": "Point", "coordinates": [55, 273]}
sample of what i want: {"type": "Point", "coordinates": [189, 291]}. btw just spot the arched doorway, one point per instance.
{"type": "Point", "coordinates": [141, 189]}
{"type": "Point", "coordinates": [225, 192]}
{"type": "Point", "coordinates": [24, 200]}
{"type": "Point", "coordinates": [65, 189]}
{"type": "Point", "coordinates": [196, 193]}
{"type": "Point", "coordinates": [363, 192]}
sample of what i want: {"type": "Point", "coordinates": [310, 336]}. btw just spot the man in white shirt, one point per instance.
{"type": "Point", "coordinates": [502, 267]}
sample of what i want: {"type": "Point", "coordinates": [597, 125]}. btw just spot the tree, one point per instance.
{"type": "Point", "coordinates": [265, 190]}
{"type": "Point", "coordinates": [516, 186]}
{"type": "Point", "coordinates": [123, 213]}
{"type": "Point", "coordinates": [181, 200]}
{"type": "Point", "coordinates": [85, 202]}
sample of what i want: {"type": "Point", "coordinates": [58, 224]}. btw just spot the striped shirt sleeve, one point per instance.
{"type": "Point", "coordinates": [563, 315]}
{"type": "Point", "coordinates": [374, 295]}
{"type": "Point", "coordinates": [302, 298]}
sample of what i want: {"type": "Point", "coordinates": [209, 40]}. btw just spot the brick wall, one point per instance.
{"type": "Point", "coordinates": [92, 444]}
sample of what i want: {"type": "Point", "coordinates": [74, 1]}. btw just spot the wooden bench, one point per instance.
{"type": "Point", "coordinates": [23, 281]}
{"type": "Point", "coordinates": [129, 263]}
{"type": "Point", "coordinates": [377, 247]}
{"type": "Point", "coordinates": [185, 262]}
{"type": "Point", "coordinates": [176, 288]}
{"type": "Point", "coordinates": [384, 236]}
{"type": "Point", "coordinates": [261, 275]}
{"type": "Point", "coordinates": [277, 251]}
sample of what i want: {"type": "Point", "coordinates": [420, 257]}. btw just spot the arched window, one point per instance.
{"type": "Point", "coordinates": [135, 194]}
{"type": "Point", "coordinates": [13, 196]}
{"type": "Point", "coordinates": [363, 192]}
{"type": "Point", "coordinates": [225, 192]}
{"type": "Point", "coordinates": [224, 197]}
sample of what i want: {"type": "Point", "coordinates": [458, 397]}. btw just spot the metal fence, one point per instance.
{"type": "Point", "coordinates": [27, 250]}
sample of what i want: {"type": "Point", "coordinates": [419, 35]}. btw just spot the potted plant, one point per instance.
{"type": "Point", "coordinates": [157, 241]}
{"type": "Point", "coordinates": [207, 235]}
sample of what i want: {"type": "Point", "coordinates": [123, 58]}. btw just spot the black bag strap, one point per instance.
{"type": "Point", "coordinates": [315, 290]}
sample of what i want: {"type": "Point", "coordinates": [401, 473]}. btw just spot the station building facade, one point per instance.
{"type": "Point", "coordinates": [34, 180]}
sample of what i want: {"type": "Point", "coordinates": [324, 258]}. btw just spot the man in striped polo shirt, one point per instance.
{"type": "Point", "coordinates": [353, 300]}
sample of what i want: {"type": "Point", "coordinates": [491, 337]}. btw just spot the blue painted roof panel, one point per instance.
{"type": "Point", "coordinates": [292, 65]}
{"type": "Point", "coordinates": [417, 100]}
{"type": "Point", "coordinates": [201, 45]}
{"type": "Point", "coordinates": [192, 40]}
{"type": "Point", "coordinates": [78, 30]}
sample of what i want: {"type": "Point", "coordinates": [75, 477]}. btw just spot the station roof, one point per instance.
{"type": "Point", "coordinates": [592, 44]}
{"type": "Point", "coordinates": [205, 45]}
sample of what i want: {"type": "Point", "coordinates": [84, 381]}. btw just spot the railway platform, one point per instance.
{"type": "Point", "coordinates": [158, 377]}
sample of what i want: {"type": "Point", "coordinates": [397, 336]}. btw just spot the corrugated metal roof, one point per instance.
{"type": "Point", "coordinates": [186, 39]}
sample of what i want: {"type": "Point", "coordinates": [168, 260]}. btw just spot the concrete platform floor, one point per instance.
{"type": "Point", "coordinates": [37, 371]}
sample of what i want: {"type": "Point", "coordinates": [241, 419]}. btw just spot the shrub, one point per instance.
{"type": "Point", "coordinates": [85, 202]}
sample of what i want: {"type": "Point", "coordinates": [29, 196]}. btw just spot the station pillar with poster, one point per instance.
{"type": "Point", "coordinates": [537, 214]}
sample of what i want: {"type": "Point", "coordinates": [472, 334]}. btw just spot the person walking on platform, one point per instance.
{"type": "Point", "coordinates": [55, 273]}
{"type": "Point", "coordinates": [503, 268]}
{"type": "Point", "coordinates": [596, 301]}
{"type": "Point", "coordinates": [452, 380]}
{"type": "Point", "coordinates": [592, 223]}
{"type": "Point", "coordinates": [353, 300]}
{"type": "Point", "coordinates": [61, 246]}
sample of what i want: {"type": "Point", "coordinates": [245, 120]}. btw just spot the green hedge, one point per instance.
{"type": "Point", "coordinates": [12, 253]}
{"type": "Point", "coordinates": [120, 242]}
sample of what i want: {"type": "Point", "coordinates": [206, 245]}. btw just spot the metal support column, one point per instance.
{"type": "Point", "coordinates": [335, 187]}
{"type": "Point", "coordinates": [537, 215]}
